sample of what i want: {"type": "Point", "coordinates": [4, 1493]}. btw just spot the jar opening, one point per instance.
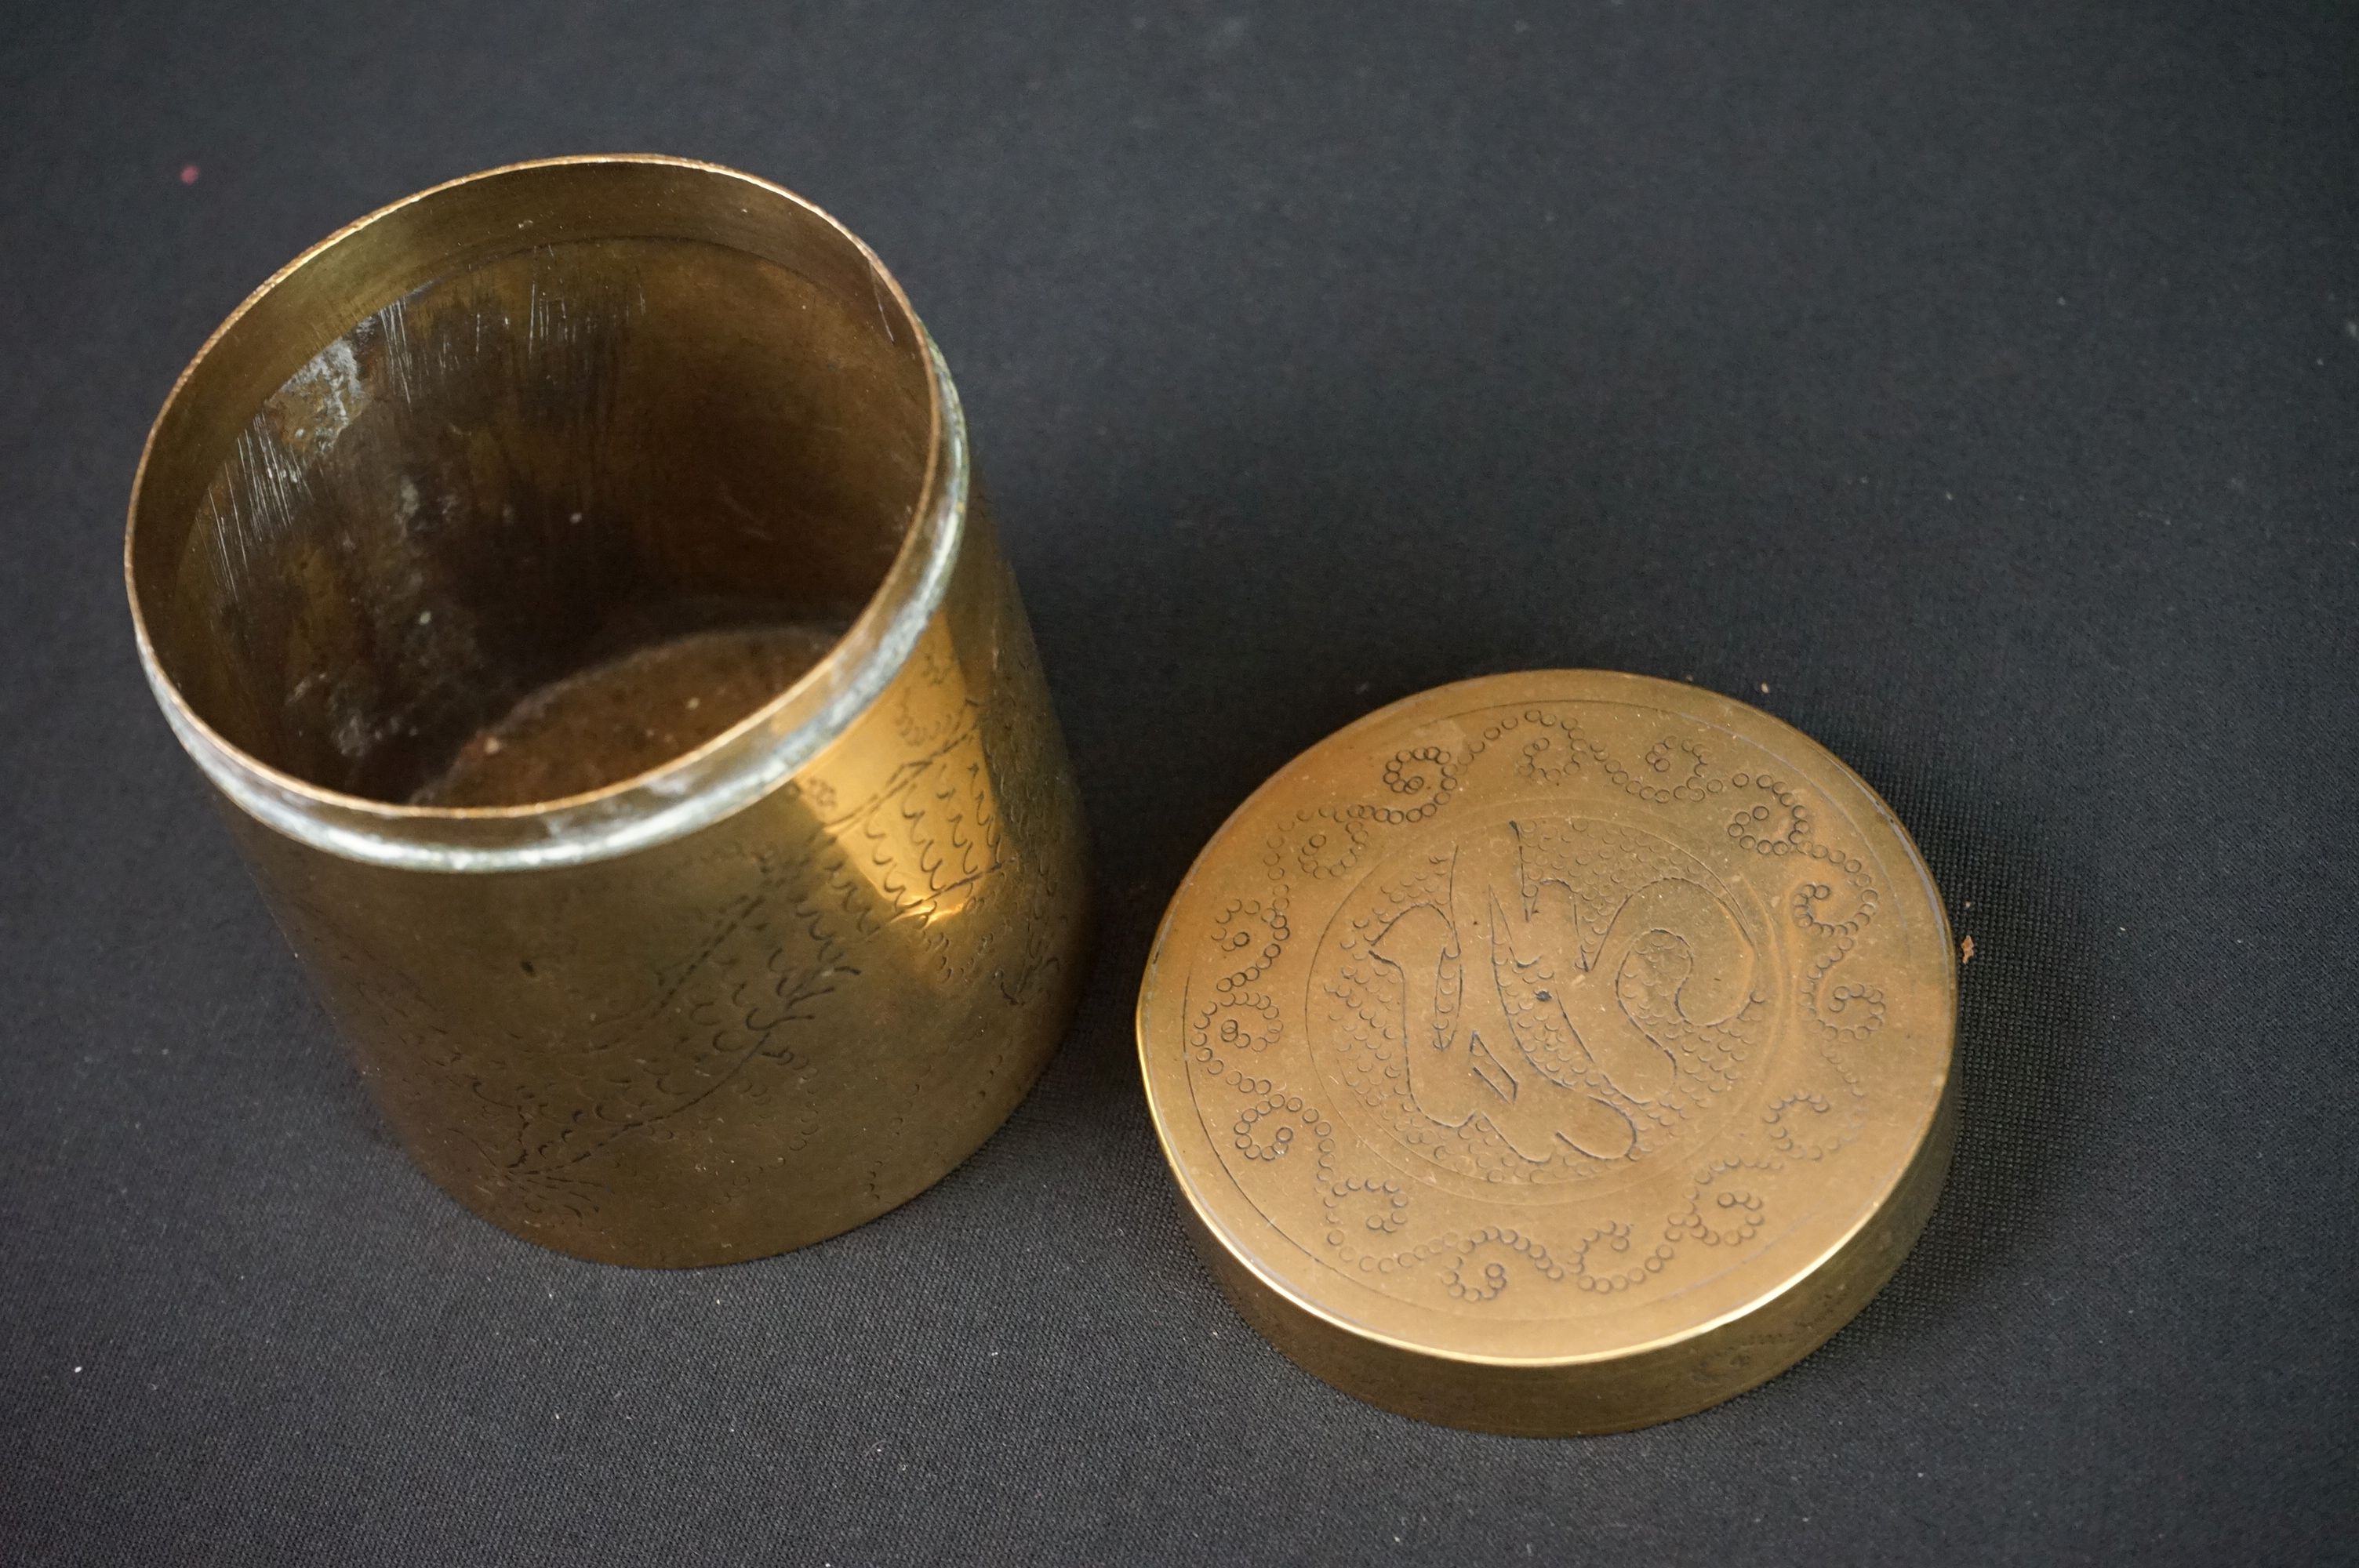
{"type": "Point", "coordinates": [534, 491]}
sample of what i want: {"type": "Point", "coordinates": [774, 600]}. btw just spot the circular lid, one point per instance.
{"type": "Point", "coordinates": [1554, 1052]}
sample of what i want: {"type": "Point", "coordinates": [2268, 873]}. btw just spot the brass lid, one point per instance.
{"type": "Point", "coordinates": [1554, 1052]}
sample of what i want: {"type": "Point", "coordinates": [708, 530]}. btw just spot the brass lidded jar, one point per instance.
{"type": "Point", "coordinates": [572, 583]}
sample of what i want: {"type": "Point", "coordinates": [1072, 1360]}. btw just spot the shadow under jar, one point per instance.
{"type": "Point", "coordinates": [571, 581]}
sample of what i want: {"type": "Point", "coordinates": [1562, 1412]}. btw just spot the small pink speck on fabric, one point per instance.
{"type": "Point", "coordinates": [188, 174]}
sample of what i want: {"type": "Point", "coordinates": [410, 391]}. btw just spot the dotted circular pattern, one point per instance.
{"type": "Point", "coordinates": [1533, 1051]}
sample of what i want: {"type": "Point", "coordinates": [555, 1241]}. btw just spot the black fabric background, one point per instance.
{"type": "Point", "coordinates": [1980, 380]}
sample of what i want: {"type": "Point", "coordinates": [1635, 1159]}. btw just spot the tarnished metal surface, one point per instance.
{"type": "Point", "coordinates": [1554, 1052]}
{"type": "Point", "coordinates": [437, 552]}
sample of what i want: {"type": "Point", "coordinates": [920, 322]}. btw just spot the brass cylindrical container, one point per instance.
{"type": "Point", "coordinates": [571, 581]}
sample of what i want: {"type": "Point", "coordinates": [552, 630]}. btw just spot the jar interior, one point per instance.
{"type": "Point", "coordinates": [546, 522]}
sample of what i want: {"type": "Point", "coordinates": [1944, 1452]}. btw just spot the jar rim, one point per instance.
{"type": "Point", "coordinates": [700, 786]}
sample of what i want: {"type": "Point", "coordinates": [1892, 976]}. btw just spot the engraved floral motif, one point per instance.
{"type": "Point", "coordinates": [1533, 996]}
